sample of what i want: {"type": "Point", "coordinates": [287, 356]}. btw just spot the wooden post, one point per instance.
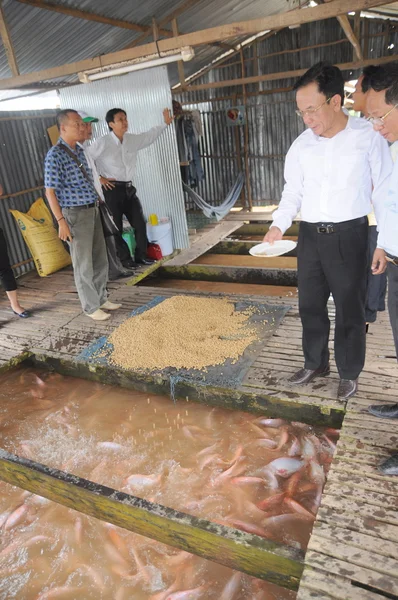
{"type": "Point", "coordinates": [366, 40]}
{"type": "Point", "coordinates": [246, 145]}
{"type": "Point", "coordinates": [238, 153]}
{"type": "Point", "coordinates": [345, 24]}
{"type": "Point", "coordinates": [7, 43]}
{"type": "Point", "coordinates": [180, 63]}
{"type": "Point", "coordinates": [238, 550]}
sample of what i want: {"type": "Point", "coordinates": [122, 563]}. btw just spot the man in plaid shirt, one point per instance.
{"type": "Point", "coordinates": [74, 202]}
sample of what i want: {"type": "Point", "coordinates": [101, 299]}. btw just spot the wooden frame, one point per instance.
{"type": "Point", "coordinates": [204, 37]}
{"type": "Point", "coordinates": [7, 43]}
{"type": "Point", "coordinates": [228, 546]}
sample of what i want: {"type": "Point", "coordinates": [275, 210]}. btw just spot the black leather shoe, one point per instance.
{"type": "Point", "coordinates": [347, 388]}
{"type": "Point", "coordinates": [307, 375]}
{"type": "Point", "coordinates": [386, 411]}
{"type": "Point", "coordinates": [389, 466]}
{"type": "Point", "coordinates": [144, 261]}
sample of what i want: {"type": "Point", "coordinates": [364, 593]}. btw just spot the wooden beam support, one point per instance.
{"type": "Point", "coordinates": [173, 15]}
{"type": "Point", "coordinates": [198, 38]}
{"type": "Point", "coordinates": [238, 550]}
{"type": "Point", "coordinates": [284, 75]}
{"type": "Point", "coordinates": [89, 16]}
{"type": "Point", "coordinates": [346, 26]}
{"type": "Point", "coordinates": [180, 63]}
{"type": "Point", "coordinates": [7, 43]}
{"type": "Point", "coordinates": [252, 275]}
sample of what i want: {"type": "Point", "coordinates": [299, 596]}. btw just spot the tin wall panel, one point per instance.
{"type": "Point", "coordinates": [143, 95]}
{"type": "Point", "coordinates": [272, 122]}
{"type": "Point", "coordinates": [24, 144]}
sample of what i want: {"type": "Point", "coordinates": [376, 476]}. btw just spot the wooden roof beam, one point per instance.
{"type": "Point", "coordinates": [89, 16]}
{"type": "Point", "coordinates": [7, 43]}
{"type": "Point", "coordinates": [197, 38]}
{"type": "Point", "coordinates": [168, 19]}
{"type": "Point", "coordinates": [284, 75]}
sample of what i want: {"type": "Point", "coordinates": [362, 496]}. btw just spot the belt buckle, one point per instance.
{"type": "Point", "coordinates": [325, 229]}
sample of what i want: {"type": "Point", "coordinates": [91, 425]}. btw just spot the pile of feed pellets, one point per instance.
{"type": "Point", "coordinates": [185, 332]}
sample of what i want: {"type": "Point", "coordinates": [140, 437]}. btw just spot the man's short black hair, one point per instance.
{"type": "Point", "coordinates": [328, 78]}
{"type": "Point", "coordinates": [110, 115]}
{"type": "Point", "coordinates": [63, 116]}
{"type": "Point", "coordinates": [386, 79]}
{"type": "Point", "coordinates": [367, 73]}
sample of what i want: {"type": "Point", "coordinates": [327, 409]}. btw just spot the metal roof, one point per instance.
{"type": "Point", "coordinates": [44, 39]}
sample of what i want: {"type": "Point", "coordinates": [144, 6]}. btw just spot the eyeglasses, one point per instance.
{"type": "Point", "coordinates": [311, 111]}
{"type": "Point", "coordinates": [379, 121]}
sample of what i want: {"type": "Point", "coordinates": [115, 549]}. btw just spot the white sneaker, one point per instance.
{"type": "Point", "coordinates": [99, 315]}
{"type": "Point", "coordinates": [110, 305]}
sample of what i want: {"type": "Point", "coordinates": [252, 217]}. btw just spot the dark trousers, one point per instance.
{"type": "Point", "coordinates": [123, 200]}
{"type": "Point", "coordinates": [333, 263]}
{"type": "Point", "coordinates": [392, 275]}
{"type": "Point", "coordinates": [6, 273]}
{"type": "Point", "coordinates": [377, 284]}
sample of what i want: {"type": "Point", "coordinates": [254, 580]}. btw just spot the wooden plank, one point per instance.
{"type": "Point", "coordinates": [248, 553]}
{"type": "Point", "coordinates": [7, 43]}
{"type": "Point", "coordinates": [240, 246]}
{"type": "Point", "coordinates": [250, 275]}
{"type": "Point", "coordinates": [90, 16]}
{"type": "Point", "coordinates": [320, 585]}
{"type": "Point", "coordinates": [278, 262]}
{"type": "Point", "coordinates": [373, 498]}
{"type": "Point", "coordinates": [247, 289]}
{"type": "Point", "coordinates": [366, 577]}
{"type": "Point", "coordinates": [285, 74]}
{"type": "Point", "coordinates": [353, 506]}
{"type": "Point", "coordinates": [206, 36]}
{"type": "Point", "coordinates": [354, 556]}
{"type": "Point", "coordinates": [356, 539]}
{"type": "Point", "coordinates": [207, 241]}
{"type": "Point", "coordinates": [366, 483]}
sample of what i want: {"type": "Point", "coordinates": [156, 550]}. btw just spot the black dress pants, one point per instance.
{"type": "Point", "coordinates": [335, 263]}
{"type": "Point", "coordinates": [377, 284]}
{"type": "Point", "coordinates": [6, 273]}
{"type": "Point", "coordinates": [123, 200]}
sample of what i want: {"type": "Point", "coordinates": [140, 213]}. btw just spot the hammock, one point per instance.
{"type": "Point", "coordinates": [217, 211]}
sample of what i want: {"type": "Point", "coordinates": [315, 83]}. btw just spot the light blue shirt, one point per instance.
{"type": "Point", "coordinates": [388, 227]}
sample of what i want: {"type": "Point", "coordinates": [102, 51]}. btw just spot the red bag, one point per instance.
{"type": "Point", "coordinates": [154, 252]}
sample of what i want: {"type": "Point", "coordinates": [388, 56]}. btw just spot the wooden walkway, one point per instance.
{"type": "Point", "coordinates": [353, 552]}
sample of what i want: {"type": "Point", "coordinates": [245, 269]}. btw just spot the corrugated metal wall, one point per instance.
{"type": "Point", "coordinates": [24, 144]}
{"type": "Point", "coordinates": [143, 95]}
{"type": "Point", "coordinates": [272, 122]}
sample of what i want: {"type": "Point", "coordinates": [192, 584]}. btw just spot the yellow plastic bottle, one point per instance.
{"type": "Point", "coordinates": [153, 219]}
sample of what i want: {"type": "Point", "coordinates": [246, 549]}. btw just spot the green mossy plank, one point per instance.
{"type": "Point", "coordinates": [239, 247]}
{"type": "Point", "coordinates": [284, 277]}
{"type": "Point", "coordinates": [230, 547]}
{"type": "Point", "coordinates": [282, 404]}
{"type": "Point", "coordinates": [262, 228]}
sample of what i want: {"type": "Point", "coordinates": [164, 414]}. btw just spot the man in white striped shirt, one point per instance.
{"type": "Point", "coordinates": [334, 172]}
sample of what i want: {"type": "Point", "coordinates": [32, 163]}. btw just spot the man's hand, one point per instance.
{"type": "Point", "coordinates": [1, 190]}
{"type": "Point", "coordinates": [64, 231]}
{"type": "Point", "coordinates": [167, 116]}
{"type": "Point", "coordinates": [274, 235]}
{"type": "Point", "coordinates": [107, 183]}
{"type": "Point", "coordinates": [379, 262]}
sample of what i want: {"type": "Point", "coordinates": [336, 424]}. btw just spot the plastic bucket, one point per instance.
{"type": "Point", "coordinates": [161, 234]}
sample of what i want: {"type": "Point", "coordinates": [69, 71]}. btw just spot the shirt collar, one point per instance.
{"type": "Point", "coordinates": [115, 138]}
{"type": "Point", "coordinates": [349, 123]}
{"type": "Point", "coordinates": [61, 142]}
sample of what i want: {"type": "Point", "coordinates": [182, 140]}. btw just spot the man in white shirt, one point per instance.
{"type": "Point", "coordinates": [382, 105]}
{"type": "Point", "coordinates": [376, 284]}
{"type": "Point", "coordinates": [115, 155]}
{"type": "Point", "coordinates": [330, 171]}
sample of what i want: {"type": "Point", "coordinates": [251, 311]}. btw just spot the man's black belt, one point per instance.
{"type": "Point", "coordinates": [124, 183]}
{"type": "Point", "coordinates": [80, 206]}
{"type": "Point", "coordinates": [326, 228]}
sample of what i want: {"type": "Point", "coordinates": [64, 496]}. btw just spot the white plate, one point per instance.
{"type": "Point", "coordinates": [277, 249]}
